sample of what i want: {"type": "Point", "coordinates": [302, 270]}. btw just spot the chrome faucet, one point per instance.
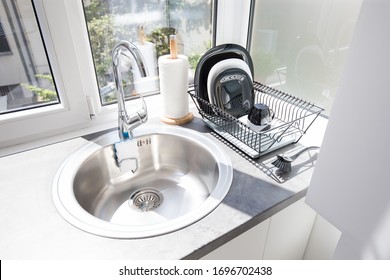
{"type": "Point", "coordinates": [126, 122]}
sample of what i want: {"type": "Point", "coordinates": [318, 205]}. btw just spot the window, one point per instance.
{"type": "Point", "coordinates": [300, 46]}
{"type": "Point", "coordinates": [148, 25]}
{"type": "Point", "coordinates": [26, 80]}
{"type": "Point", "coordinates": [65, 38]}
{"type": "Point", "coordinates": [38, 99]}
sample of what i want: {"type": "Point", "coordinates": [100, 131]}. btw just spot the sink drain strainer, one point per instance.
{"type": "Point", "coordinates": [146, 199]}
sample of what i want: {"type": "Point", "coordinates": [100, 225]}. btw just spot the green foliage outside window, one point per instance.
{"type": "Point", "coordinates": [43, 94]}
{"type": "Point", "coordinates": [110, 21]}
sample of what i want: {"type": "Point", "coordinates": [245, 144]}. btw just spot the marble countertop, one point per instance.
{"type": "Point", "coordinates": [32, 228]}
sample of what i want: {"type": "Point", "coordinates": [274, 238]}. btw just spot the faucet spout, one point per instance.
{"type": "Point", "coordinates": [126, 122]}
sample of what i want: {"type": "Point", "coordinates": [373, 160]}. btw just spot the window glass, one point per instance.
{"type": "Point", "coordinates": [26, 80]}
{"type": "Point", "coordinates": [4, 46]}
{"type": "Point", "coordinates": [148, 25]}
{"type": "Point", "coordinates": [300, 46]}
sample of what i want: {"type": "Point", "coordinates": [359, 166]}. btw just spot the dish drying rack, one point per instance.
{"type": "Point", "coordinates": [293, 117]}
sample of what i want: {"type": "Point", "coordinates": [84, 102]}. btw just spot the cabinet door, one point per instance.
{"type": "Point", "coordinates": [247, 246]}
{"type": "Point", "coordinates": [289, 232]}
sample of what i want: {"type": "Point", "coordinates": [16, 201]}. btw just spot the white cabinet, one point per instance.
{"type": "Point", "coordinates": [323, 240]}
{"type": "Point", "coordinates": [289, 232]}
{"type": "Point", "coordinates": [283, 236]}
{"type": "Point", "coordinates": [247, 246]}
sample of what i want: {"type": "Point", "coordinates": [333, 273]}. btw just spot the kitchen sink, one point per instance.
{"type": "Point", "coordinates": [176, 177]}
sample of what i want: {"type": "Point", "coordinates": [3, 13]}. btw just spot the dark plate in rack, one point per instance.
{"type": "Point", "coordinates": [210, 58]}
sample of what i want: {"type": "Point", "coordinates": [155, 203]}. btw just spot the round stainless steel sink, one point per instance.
{"type": "Point", "coordinates": [173, 178]}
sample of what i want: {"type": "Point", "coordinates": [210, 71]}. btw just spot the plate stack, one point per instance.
{"type": "Point", "coordinates": [224, 78]}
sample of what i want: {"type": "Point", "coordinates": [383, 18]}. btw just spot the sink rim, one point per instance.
{"type": "Point", "coordinates": [69, 208]}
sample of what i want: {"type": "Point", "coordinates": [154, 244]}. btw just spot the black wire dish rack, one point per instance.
{"type": "Point", "coordinates": [293, 117]}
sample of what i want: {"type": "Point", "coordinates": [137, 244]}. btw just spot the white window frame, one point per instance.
{"type": "Point", "coordinates": [66, 39]}
{"type": "Point", "coordinates": [19, 127]}
{"type": "Point", "coordinates": [233, 21]}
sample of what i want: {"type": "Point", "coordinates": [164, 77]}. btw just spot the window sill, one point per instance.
{"type": "Point", "coordinates": [31, 113]}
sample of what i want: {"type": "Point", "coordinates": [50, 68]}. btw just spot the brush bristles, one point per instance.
{"type": "Point", "coordinates": [282, 165]}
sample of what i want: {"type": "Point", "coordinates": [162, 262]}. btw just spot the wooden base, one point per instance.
{"type": "Point", "coordinates": [186, 119]}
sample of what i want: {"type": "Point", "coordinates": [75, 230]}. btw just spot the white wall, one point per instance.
{"type": "Point", "coordinates": [349, 187]}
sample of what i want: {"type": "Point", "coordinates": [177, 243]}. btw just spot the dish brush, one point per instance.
{"type": "Point", "coordinates": [283, 163]}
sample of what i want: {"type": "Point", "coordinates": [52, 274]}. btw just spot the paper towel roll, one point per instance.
{"type": "Point", "coordinates": [174, 86]}
{"type": "Point", "coordinates": [149, 83]}
{"type": "Point", "coordinates": [148, 51]}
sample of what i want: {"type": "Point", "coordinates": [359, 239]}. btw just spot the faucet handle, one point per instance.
{"type": "Point", "coordinates": [143, 113]}
{"type": "Point", "coordinates": [134, 120]}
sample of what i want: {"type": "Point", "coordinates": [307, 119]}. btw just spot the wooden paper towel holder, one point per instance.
{"type": "Point", "coordinates": [173, 121]}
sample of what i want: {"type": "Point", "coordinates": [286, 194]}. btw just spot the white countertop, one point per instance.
{"type": "Point", "coordinates": [32, 228]}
